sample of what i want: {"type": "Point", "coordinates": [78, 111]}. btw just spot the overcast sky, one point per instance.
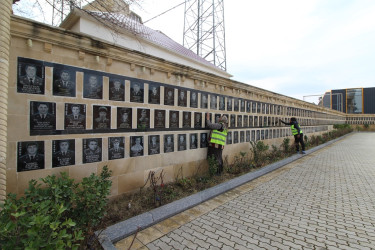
{"type": "Point", "coordinates": [293, 47]}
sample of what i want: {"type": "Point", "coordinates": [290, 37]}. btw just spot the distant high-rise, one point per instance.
{"type": "Point", "coordinates": [204, 30]}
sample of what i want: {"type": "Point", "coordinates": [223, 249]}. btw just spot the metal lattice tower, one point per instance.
{"type": "Point", "coordinates": [204, 30]}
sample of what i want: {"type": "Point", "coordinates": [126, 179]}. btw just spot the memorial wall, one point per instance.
{"type": "Point", "coordinates": [77, 104]}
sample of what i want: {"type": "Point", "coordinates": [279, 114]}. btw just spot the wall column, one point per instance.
{"type": "Point", "coordinates": [5, 12]}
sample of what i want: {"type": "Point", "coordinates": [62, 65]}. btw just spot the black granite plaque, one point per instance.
{"type": "Point", "coordinates": [204, 100]}
{"type": "Point", "coordinates": [269, 122]}
{"type": "Point", "coordinates": [116, 89]}
{"type": "Point", "coordinates": [102, 117]}
{"type": "Point", "coordinates": [174, 121]}
{"type": "Point", "coordinates": [204, 140]}
{"type": "Point", "coordinates": [193, 141]}
{"type": "Point", "coordinates": [168, 143]}
{"type": "Point", "coordinates": [64, 81]}
{"type": "Point", "coordinates": [136, 146]}
{"type": "Point", "coordinates": [265, 121]}
{"type": "Point", "coordinates": [75, 116]}
{"type": "Point", "coordinates": [154, 94]}
{"type": "Point", "coordinates": [63, 153]}
{"type": "Point", "coordinates": [229, 103]}
{"type": "Point", "coordinates": [248, 106]}
{"type": "Point", "coordinates": [266, 134]}
{"type": "Point", "coordinates": [252, 135]}
{"type": "Point", "coordinates": [236, 104]}
{"type": "Point", "coordinates": [229, 138]}
{"type": "Point", "coordinates": [30, 76]}
{"type": "Point", "coordinates": [251, 122]}
{"type": "Point", "coordinates": [168, 96]}
{"type": "Point", "coordinates": [213, 102]}
{"type": "Point", "coordinates": [182, 97]}
{"type": "Point", "coordinates": [258, 135]}
{"type": "Point", "coordinates": [242, 105]}
{"type": "Point", "coordinates": [159, 121]}
{"type": "Point", "coordinates": [143, 118]}
{"type": "Point", "coordinates": [137, 92]}
{"type": "Point", "coordinates": [239, 121]}
{"type": "Point", "coordinates": [242, 136]}
{"type": "Point", "coordinates": [92, 150]}
{"type": "Point", "coordinates": [232, 120]}
{"type": "Point", "coordinates": [181, 142]}
{"type": "Point", "coordinates": [186, 120]}
{"type": "Point", "coordinates": [256, 121]}
{"type": "Point", "coordinates": [254, 107]}
{"type": "Point", "coordinates": [217, 117]}
{"type": "Point", "coordinates": [124, 117]}
{"type": "Point", "coordinates": [197, 120]}
{"type": "Point", "coordinates": [259, 105]}
{"type": "Point", "coordinates": [153, 144]}
{"type": "Point", "coordinates": [248, 136]}
{"type": "Point", "coordinates": [221, 102]}
{"type": "Point", "coordinates": [263, 107]}
{"type": "Point", "coordinates": [193, 99]}
{"type": "Point", "coordinates": [262, 134]}
{"type": "Point", "coordinates": [235, 137]}
{"type": "Point", "coordinates": [30, 155]}
{"type": "Point", "coordinates": [92, 86]}
{"type": "Point", "coordinates": [42, 116]}
{"type": "Point", "coordinates": [116, 147]}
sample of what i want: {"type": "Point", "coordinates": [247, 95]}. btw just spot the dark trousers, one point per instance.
{"type": "Point", "coordinates": [298, 141]}
{"type": "Point", "coordinates": [217, 153]}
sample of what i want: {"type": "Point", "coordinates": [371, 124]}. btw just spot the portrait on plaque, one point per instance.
{"type": "Point", "coordinates": [197, 120]}
{"type": "Point", "coordinates": [235, 137]}
{"type": "Point", "coordinates": [221, 102]}
{"type": "Point", "coordinates": [266, 134]}
{"type": "Point", "coordinates": [248, 136]}
{"type": "Point", "coordinates": [92, 86]}
{"type": "Point", "coordinates": [242, 136]}
{"type": "Point", "coordinates": [193, 141]}
{"type": "Point", "coordinates": [263, 107]}
{"type": "Point", "coordinates": [239, 121]}
{"type": "Point", "coordinates": [236, 104]}
{"type": "Point", "coordinates": [262, 134]}
{"type": "Point", "coordinates": [253, 135]}
{"type": "Point", "coordinates": [116, 89]}
{"type": "Point", "coordinates": [259, 107]}
{"type": "Point", "coordinates": [213, 101]}
{"type": "Point", "coordinates": [174, 121]}
{"type": "Point", "coordinates": [251, 124]}
{"type": "Point", "coordinates": [124, 117]}
{"type": "Point", "coordinates": [246, 121]}
{"type": "Point", "coordinates": [229, 103]}
{"type": "Point", "coordinates": [253, 107]}
{"type": "Point", "coordinates": [182, 97]}
{"type": "Point", "coordinates": [63, 153]}
{"type": "Point", "coordinates": [232, 120]}
{"type": "Point", "coordinates": [229, 138]}
{"type": "Point", "coordinates": [258, 135]}
{"type": "Point", "coordinates": [116, 147]}
{"type": "Point", "coordinates": [64, 81]}
{"type": "Point", "coordinates": [153, 144]}
{"type": "Point", "coordinates": [102, 117]}
{"type": "Point", "coordinates": [186, 121]}
{"type": "Point", "coordinates": [193, 99]}
{"type": "Point", "coordinates": [154, 94]}
{"type": "Point", "coordinates": [168, 143]}
{"type": "Point", "coordinates": [204, 100]}
{"type": "Point", "coordinates": [181, 142]}
{"type": "Point", "coordinates": [143, 118]}
{"type": "Point", "coordinates": [256, 121]}
{"type": "Point", "coordinates": [30, 155]}
{"type": "Point", "coordinates": [30, 76]}
{"type": "Point", "coordinates": [75, 116]}
{"type": "Point", "coordinates": [243, 108]}
{"type": "Point", "coordinates": [42, 116]}
{"type": "Point", "coordinates": [137, 92]}
{"type": "Point", "coordinates": [204, 140]}
{"type": "Point", "coordinates": [136, 146]}
{"type": "Point", "coordinates": [168, 96]}
{"type": "Point", "coordinates": [159, 117]}
{"type": "Point", "coordinates": [92, 150]}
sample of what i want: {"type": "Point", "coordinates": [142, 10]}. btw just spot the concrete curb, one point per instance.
{"type": "Point", "coordinates": [130, 226]}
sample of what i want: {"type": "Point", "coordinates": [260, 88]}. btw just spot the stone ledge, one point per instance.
{"type": "Point", "coordinates": [130, 226]}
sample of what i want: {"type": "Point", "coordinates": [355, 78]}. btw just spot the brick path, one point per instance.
{"type": "Point", "coordinates": [325, 200]}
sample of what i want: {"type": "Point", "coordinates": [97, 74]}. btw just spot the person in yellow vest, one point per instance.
{"type": "Point", "coordinates": [217, 139]}
{"type": "Point", "coordinates": [297, 133]}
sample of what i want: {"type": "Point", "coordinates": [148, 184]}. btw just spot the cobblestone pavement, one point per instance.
{"type": "Point", "coordinates": [325, 200]}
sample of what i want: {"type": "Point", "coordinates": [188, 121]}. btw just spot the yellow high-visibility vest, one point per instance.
{"type": "Point", "coordinates": [295, 130]}
{"type": "Point", "coordinates": [219, 137]}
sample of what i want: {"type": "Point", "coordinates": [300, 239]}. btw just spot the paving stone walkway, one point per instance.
{"type": "Point", "coordinates": [325, 200]}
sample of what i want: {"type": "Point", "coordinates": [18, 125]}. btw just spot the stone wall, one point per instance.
{"type": "Point", "coordinates": [128, 129]}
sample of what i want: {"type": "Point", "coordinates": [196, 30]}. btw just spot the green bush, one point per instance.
{"type": "Point", "coordinates": [259, 150]}
{"type": "Point", "coordinates": [212, 165]}
{"type": "Point", "coordinates": [285, 146]}
{"type": "Point", "coordinates": [60, 215]}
